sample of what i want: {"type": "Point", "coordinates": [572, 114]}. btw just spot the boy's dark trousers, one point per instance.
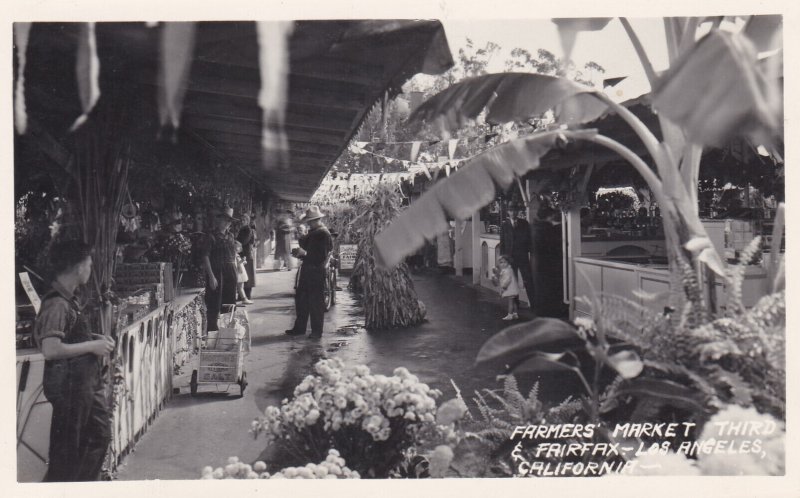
{"type": "Point", "coordinates": [80, 430]}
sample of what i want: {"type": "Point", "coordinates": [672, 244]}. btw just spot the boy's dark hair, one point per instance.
{"type": "Point", "coordinates": [67, 253]}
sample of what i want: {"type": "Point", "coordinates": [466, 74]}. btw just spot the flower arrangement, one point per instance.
{"type": "Point", "coordinates": [333, 467]}
{"type": "Point", "coordinates": [371, 419]}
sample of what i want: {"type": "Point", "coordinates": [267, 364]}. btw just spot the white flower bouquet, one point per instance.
{"type": "Point", "coordinates": [370, 418]}
{"type": "Point", "coordinates": [333, 467]}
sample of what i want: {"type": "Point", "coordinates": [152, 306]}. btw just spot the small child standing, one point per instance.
{"type": "Point", "coordinates": [241, 275]}
{"type": "Point", "coordinates": [508, 283]}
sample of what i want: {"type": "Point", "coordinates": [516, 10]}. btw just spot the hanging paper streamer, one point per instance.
{"type": "Point", "coordinates": [177, 50]}
{"type": "Point", "coordinates": [414, 151]}
{"type": "Point", "coordinates": [273, 53]}
{"type": "Point", "coordinates": [87, 70]}
{"type": "Point", "coordinates": [451, 147]}
{"type": "Point", "coordinates": [22, 31]}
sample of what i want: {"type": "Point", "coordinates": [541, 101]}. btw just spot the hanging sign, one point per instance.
{"type": "Point", "coordinates": [30, 291]}
{"type": "Point", "coordinates": [347, 256]}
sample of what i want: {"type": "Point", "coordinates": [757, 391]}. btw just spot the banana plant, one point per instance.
{"type": "Point", "coordinates": [716, 88]}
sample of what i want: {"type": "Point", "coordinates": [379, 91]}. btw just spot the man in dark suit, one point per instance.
{"type": "Point", "coordinates": [516, 243]}
{"type": "Point", "coordinates": [315, 248]}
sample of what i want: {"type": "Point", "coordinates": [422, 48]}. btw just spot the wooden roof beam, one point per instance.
{"type": "Point", "coordinates": [229, 87]}
{"type": "Point", "coordinates": [323, 70]}
{"type": "Point", "coordinates": [371, 75]}
{"type": "Point", "coordinates": [234, 113]}
{"type": "Point", "coordinates": [227, 127]}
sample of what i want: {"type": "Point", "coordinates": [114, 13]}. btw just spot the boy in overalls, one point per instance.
{"type": "Point", "coordinates": [73, 381]}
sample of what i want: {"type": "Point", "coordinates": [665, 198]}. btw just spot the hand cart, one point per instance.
{"type": "Point", "coordinates": [221, 356]}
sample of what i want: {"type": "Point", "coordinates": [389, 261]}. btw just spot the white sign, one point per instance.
{"type": "Point", "coordinates": [30, 291]}
{"type": "Point", "coordinates": [347, 256]}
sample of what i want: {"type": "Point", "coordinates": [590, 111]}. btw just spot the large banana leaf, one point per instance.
{"type": "Point", "coordinates": [462, 194]}
{"type": "Point", "coordinates": [718, 90]}
{"type": "Point", "coordinates": [762, 29]}
{"type": "Point", "coordinates": [510, 97]}
{"type": "Point", "coordinates": [526, 339]}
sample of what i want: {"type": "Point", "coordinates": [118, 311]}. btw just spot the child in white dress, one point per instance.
{"type": "Point", "coordinates": [241, 276]}
{"type": "Point", "coordinates": [508, 285]}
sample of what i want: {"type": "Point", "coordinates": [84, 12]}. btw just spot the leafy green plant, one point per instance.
{"type": "Point", "coordinates": [734, 356]}
{"type": "Point", "coordinates": [502, 412]}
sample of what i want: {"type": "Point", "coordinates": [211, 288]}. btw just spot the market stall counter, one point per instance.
{"type": "Point", "coordinates": [150, 350]}
{"type": "Point", "coordinates": [632, 276]}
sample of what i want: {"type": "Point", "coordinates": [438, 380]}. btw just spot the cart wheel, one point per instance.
{"type": "Point", "coordinates": [326, 293]}
{"type": "Point", "coordinates": [193, 383]}
{"type": "Point", "coordinates": [242, 384]}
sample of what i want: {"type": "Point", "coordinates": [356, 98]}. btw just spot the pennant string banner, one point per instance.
{"type": "Point", "coordinates": [22, 31]}
{"type": "Point", "coordinates": [177, 49]}
{"type": "Point", "coordinates": [87, 71]}
{"type": "Point", "coordinates": [414, 151]}
{"type": "Point", "coordinates": [273, 57]}
{"type": "Point", "coordinates": [451, 148]}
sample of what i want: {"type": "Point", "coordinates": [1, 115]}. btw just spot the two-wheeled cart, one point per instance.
{"type": "Point", "coordinates": [221, 356]}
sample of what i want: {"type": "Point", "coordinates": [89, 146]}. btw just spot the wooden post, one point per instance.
{"type": "Point", "coordinates": [476, 248]}
{"type": "Point", "coordinates": [571, 237]}
{"type": "Point", "coordinates": [458, 257]}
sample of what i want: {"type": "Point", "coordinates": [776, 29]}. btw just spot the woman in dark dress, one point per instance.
{"type": "Point", "coordinates": [247, 238]}
{"type": "Point", "coordinates": [219, 262]}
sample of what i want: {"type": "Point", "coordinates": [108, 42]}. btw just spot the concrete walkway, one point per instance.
{"type": "Point", "coordinates": [205, 430]}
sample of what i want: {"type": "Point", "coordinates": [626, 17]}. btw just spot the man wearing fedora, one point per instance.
{"type": "Point", "coordinates": [314, 250]}
{"type": "Point", "coordinates": [218, 254]}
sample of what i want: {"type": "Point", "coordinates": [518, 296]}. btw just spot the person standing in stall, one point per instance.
{"type": "Point", "coordinates": [515, 242]}
{"type": "Point", "coordinates": [73, 382]}
{"type": "Point", "coordinates": [247, 237]}
{"type": "Point", "coordinates": [219, 263]}
{"type": "Point", "coordinates": [548, 258]}
{"type": "Point", "coordinates": [283, 241]}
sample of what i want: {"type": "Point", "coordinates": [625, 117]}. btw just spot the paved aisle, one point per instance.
{"type": "Point", "coordinates": [193, 432]}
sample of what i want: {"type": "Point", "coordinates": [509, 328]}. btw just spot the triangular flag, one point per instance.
{"type": "Point", "coordinates": [22, 31]}
{"type": "Point", "coordinates": [87, 71]}
{"type": "Point", "coordinates": [414, 151]}
{"type": "Point", "coordinates": [427, 172]}
{"type": "Point", "coordinates": [273, 62]}
{"type": "Point", "coordinates": [177, 50]}
{"type": "Point", "coordinates": [361, 145]}
{"type": "Point", "coordinates": [451, 147]}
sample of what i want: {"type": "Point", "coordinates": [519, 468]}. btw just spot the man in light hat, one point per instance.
{"type": "Point", "coordinates": [314, 250]}
{"type": "Point", "coordinates": [218, 253]}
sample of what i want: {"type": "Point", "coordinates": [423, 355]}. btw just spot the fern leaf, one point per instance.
{"type": "Point", "coordinates": [533, 395]}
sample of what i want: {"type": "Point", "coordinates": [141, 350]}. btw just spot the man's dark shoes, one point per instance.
{"type": "Point", "coordinates": [295, 332]}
